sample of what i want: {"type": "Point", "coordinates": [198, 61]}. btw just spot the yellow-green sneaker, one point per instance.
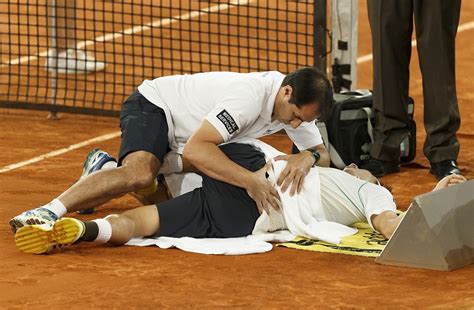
{"type": "Point", "coordinates": [40, 239]}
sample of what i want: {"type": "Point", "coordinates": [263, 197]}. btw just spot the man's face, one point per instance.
{"type": "Point", "coordinates": [362, 174]}
{"type": "Point", "coordinates": [290, 114]}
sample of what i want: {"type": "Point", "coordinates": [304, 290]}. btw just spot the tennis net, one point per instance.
{"type": "Point", "coordinates": [87, 56]}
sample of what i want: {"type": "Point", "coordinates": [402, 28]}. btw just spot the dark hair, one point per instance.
{"type": "Point", "coordinates": [311, 85]}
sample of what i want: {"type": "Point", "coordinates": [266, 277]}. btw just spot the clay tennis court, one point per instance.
{"type": "Point", "coordinates": [89, 276]}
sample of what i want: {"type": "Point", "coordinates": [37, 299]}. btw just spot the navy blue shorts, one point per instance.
{"type": "Point", "coordinates": [144, 128]}
{"type": "Point", "coordinates": [217, 209]}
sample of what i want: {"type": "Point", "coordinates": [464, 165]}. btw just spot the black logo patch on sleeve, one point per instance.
{"type": "Point", "coordinates": [228, 121]}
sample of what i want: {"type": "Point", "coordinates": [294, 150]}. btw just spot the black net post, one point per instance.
{"type": "Point", "coordinates": [320, 29]}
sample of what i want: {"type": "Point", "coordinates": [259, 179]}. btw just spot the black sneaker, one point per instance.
{"type": "Point", "coordinates": [380, 168]}
{"type": "Point", "coordinates": [444, 168]}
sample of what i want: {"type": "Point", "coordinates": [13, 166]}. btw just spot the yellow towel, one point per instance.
{"type": "Point", "coordinates": [366, 242]}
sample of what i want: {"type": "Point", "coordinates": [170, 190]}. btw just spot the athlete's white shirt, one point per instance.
{"type": "Point", "coordinates": [347, 200]}
{"type": "Point", "coordinates": [328, 196]}
{"type": "Point", "coordinates": [236, 104]}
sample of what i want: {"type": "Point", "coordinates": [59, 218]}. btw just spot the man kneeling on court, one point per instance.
{"type": "Point", "coordinates": [221, 210]}
{"type": "Point", "coordinates": [191, 115]}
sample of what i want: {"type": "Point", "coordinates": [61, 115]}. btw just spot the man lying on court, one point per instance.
{"type": "Point", "coordinates": [328, 200]}
{"type": "Point", "coordinates": [201, 111]}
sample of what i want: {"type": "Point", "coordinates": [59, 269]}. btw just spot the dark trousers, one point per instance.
{"type": "Point", "coordinates": [436, 23]}
{"type": "Point", "coordinates": [217, 209]}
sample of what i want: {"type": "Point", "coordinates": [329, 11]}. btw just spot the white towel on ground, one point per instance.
{"type": "Point", "coordinates": [251, 244]}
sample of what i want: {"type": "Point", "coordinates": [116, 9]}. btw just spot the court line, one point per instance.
{"type": "Point", "coordinates": [133, 30]}
{"type": "Point", "coordinates": [60, 151]}
{"type": "Point", "coordinates": [461, 28]}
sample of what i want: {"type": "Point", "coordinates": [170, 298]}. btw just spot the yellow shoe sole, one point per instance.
{"type": "Point", "coordinates": [39, 239]}
{"type": "Point", "coordinates": [34, 239]}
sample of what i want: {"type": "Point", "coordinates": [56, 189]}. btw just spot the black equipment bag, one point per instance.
{"type": "Point", "coordinates": [348, 134]}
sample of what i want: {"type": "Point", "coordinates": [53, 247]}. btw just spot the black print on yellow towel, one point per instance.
{"type": "Point", "coordinates": [228, 121]}
{"type": "Point", "coordinates": [311, 242]}
{"type": "Point", "coordinates": [375, 238]}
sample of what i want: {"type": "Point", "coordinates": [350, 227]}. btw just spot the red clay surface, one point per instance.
{"type": "Point", "coordinates": [129, 277]}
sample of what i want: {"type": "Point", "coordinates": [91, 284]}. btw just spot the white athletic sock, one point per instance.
{"type": "Point", "coordinates": [109, 165]}
{"type": "Point", "coordinates": [172, 163]}
{"type": "Point", "coordinates": [56, 207]}
{"type": "Point", "coordinates": [105, 230]}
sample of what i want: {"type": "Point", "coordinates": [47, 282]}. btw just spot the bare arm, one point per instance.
{"type": "Point", "coordinates": [202, 152]}
{"type": "Point", "coordinates": [386, 222]}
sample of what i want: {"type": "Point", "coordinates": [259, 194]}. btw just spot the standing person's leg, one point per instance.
{"type": "Point", "coordinates": [436, 26]}
{"type": "Point", "coordinates": [62, 34]}
{"type": "Point", "coordinates": [63, 11]}
{"type": "Point", "coordinates": [144, 145]}
{"type": "Point", "coordinates": [391, 28]}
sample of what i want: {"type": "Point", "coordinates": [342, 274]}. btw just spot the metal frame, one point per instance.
{"type": "Point", "coordinates": [344, 30]}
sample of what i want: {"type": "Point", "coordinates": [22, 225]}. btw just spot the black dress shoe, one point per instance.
{"type": "Point", "coordinates": [444, 168]}
{"type": "Point", "coordinates": [380, 168]}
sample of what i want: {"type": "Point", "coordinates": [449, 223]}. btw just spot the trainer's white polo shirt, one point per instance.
{"type": "Point", "coordinates": [236, 104]}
